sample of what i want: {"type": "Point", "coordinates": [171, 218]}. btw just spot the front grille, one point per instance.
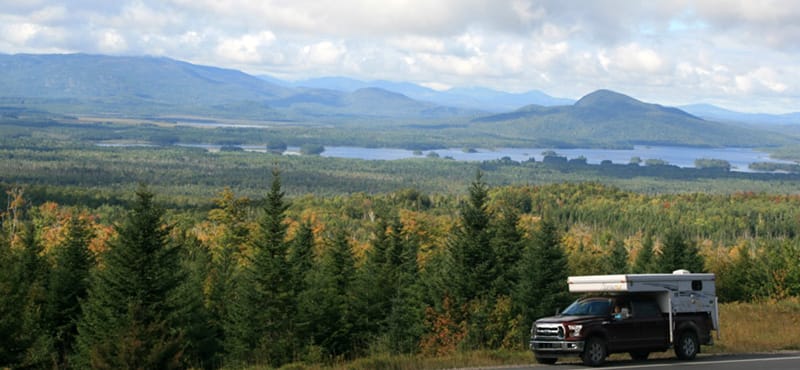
{"type": "Point", "coordinates": [549, 331]}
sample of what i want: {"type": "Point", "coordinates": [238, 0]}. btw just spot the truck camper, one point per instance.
{"type": "Point", "coordinates": [634, 313]}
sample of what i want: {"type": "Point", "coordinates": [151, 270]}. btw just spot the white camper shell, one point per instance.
{"type": "Point", "coordinates": [676, 293]}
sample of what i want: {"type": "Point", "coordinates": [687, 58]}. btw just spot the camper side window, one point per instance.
{"type": "Point", "coordinates": [697, 285]}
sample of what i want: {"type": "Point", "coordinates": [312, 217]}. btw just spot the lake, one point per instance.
{"type": "Point", "coordinates": [739, 158]}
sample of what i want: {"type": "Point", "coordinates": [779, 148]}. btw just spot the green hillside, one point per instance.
{"type": "Point", "coordinates": [152, 86]}
{"type": "Point", "coordinates": [607, 118]}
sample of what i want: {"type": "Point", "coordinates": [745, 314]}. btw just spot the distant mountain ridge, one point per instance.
{"type": "Point", "coordinates": [612, 118]}
{"type": "Point", "coordinates": [468, 98]}
{"type": "Point", "coordinates": [145, 86]}
{"type": "Point", "coordinates": [712, 112]}
{"type": "Point", "coordinates": [152, 87]}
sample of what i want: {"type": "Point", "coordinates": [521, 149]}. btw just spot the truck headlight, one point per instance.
{"type": "Point", "coordinates": [574, 330]}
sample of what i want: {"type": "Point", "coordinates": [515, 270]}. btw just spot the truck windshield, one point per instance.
{"type": "Point", "coordinates": [582, 307]}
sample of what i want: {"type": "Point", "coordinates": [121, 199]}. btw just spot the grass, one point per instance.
{"type": "Point", "coordinates": [759, 327]}
{"type": "Point", "coordinates": [769, 326]}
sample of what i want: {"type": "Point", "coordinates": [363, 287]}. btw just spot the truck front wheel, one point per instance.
{"type": "Point", "coordinates": [594, 352]}
{"type": "Point", "coordinates": [687, 346]}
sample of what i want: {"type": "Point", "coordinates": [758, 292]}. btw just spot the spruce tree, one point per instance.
{"type": "Point", "coordinates": [24, 337]}
{"type": "Point", "coordinates": [645, 259]}
{"type": "Point", "coordinates": [230, 215]}
{"type": "Point", "coordinates": [69, 285]}
{"type": "Point", "coordinates": [473, 261]}
{"type": "Point", "coordinates": [403, 326]}
{"type": "Point", "coordinates": [543, 268]}
{"type": "Point", "coordinates": [374, 286]}
{"type": "Point", "coordinates": [260, 323]}
{"type": "Point", "coordinates": [617, 259]}
{"type": "Point", "coordinates": [677, 253]}
{"type": "Point", "coordinates": [301, 264]}
{"type": "Point", "coordinates": [507, 245]}
{"type": "Point", "coordinates": [131, 317]}
{"type": "Point", "coordinates": [325, 308]}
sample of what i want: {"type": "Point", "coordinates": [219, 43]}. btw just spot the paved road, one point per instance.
{"type": "Point", "coordinates": [782, 361]}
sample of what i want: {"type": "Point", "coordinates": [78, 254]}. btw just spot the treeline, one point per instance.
{"type": "Point", "coordinates": [274, 281]}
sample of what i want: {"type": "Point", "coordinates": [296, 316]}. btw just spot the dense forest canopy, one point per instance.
{"type": "Point", "coordinates": [275, 278]}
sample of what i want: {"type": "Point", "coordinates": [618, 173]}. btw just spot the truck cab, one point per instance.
{"type": "Point", "coordinates": [637, 314]}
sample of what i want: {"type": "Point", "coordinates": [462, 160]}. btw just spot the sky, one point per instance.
{"type": "Point", "coordinates": [737, 54]}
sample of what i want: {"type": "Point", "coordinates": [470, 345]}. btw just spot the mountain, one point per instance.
{"type": "Point", "coordinates": [153, 86]}
{"type": "Point", "coordinates": [607, 118]}
{"type": "Point", "coordinates": [468, 98]}
{"type": "Point", "coordinates": [712, 112]}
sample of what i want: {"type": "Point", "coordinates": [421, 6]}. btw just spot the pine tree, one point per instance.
{"type": "Point", "coordinates": [677, 253]}
{"type": "Point", "coordinates": [260, 325]}
{"type": "Point", "coordinates": [301, 264]}
{"type": "Point", "coordinates": [473, 261]}
{"type": "Point", "coordinates": [69, 284]}
{"type": "Point", "coordinates": [645, 259]}
{"type": "Point", "coordinates": [201, 346]}
{"type": "Point", "coordinates": [403, 326]}
{"type": "Point", "coordinates": [507, 246]}
{"type": "Point", "coordinates": [374, 286]}
{"type": "Point", "coordinates": [24, 338]}
{"type": "Point", "coordinates": [325, 308]}
{"type": "Point", "coordinates": [617, 260]}
{"type": "Point", "coordinates": [542, 286]}
{"type": "Point", "coordinates": [131, 317]}
{"type": "Point", "coordinates": [230, 214]}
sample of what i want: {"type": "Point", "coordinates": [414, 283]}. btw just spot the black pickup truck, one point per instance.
{"type": "Point", "coordinates": [596, 326]}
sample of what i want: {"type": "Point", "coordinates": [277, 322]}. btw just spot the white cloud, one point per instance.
{"type": "Point", "coordinates": [677, 48]}
{"type": "Point", "coordinates": [761, 80]}
{"type": "Point", "coordinates": [633, 58]}
{"type": "Point", "coordinates": [20, 33]}
{"type": "Point", "coordinates": [111, 41]}
{"type": "Point", "coordinates": [415, 43]}
{"type": "Point", "coordinates": [245, 48]}
{"type": "Point", "coordinates": [323, 53]}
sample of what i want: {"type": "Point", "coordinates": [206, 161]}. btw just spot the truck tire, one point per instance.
{"type": "Point", "coordinates": [687, 346]}
{"type": "Point", "coordinates": [594, 352]}
{"type": "Point", "coordinates": [546, 360]}
{"type": "Point", "coordinates": [639, 355]}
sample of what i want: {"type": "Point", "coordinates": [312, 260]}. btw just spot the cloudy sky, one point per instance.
{"type": "Point", "coordinates": [738, 54]}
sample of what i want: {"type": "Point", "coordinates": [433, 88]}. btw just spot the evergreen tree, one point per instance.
{"type": "Point", "coordinates": [24, 338]}
{"type": "Point", "coordinates": [31, 272]}
{"type": "Point", "coordinates": [507, 246]}
{"type": "Point", "coordinates": [677, 253]}
{"type": "Point", "coordinates": [473, 261]}
{"type": "Point", "coordinates": [301, 256]}
{"type": "Point", "coordinates": [69, 284]}
{"type": "Point", "coordinates": [403, 325]}
{"type": "Point", "coordinates": [301, 264]}
{"type": "Point", "coordinates": [231, 215]}
{"type": "Point", "coordinates": [542, 286]}
{"type": "Point", "coordinates": [375, 285]}
{"type": "Point", "coordinates": [617, 260]}
{"type": "Point", "coordinates": [201, 345]}
{"type": "Point", "coordinates": [262, 311]}
{"type": "Point", "coordinates": [325, 307]}
{"type": "Point", "coordinates": [645, 259]}
{"type": "Point", "coordinates": [131, 317]}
